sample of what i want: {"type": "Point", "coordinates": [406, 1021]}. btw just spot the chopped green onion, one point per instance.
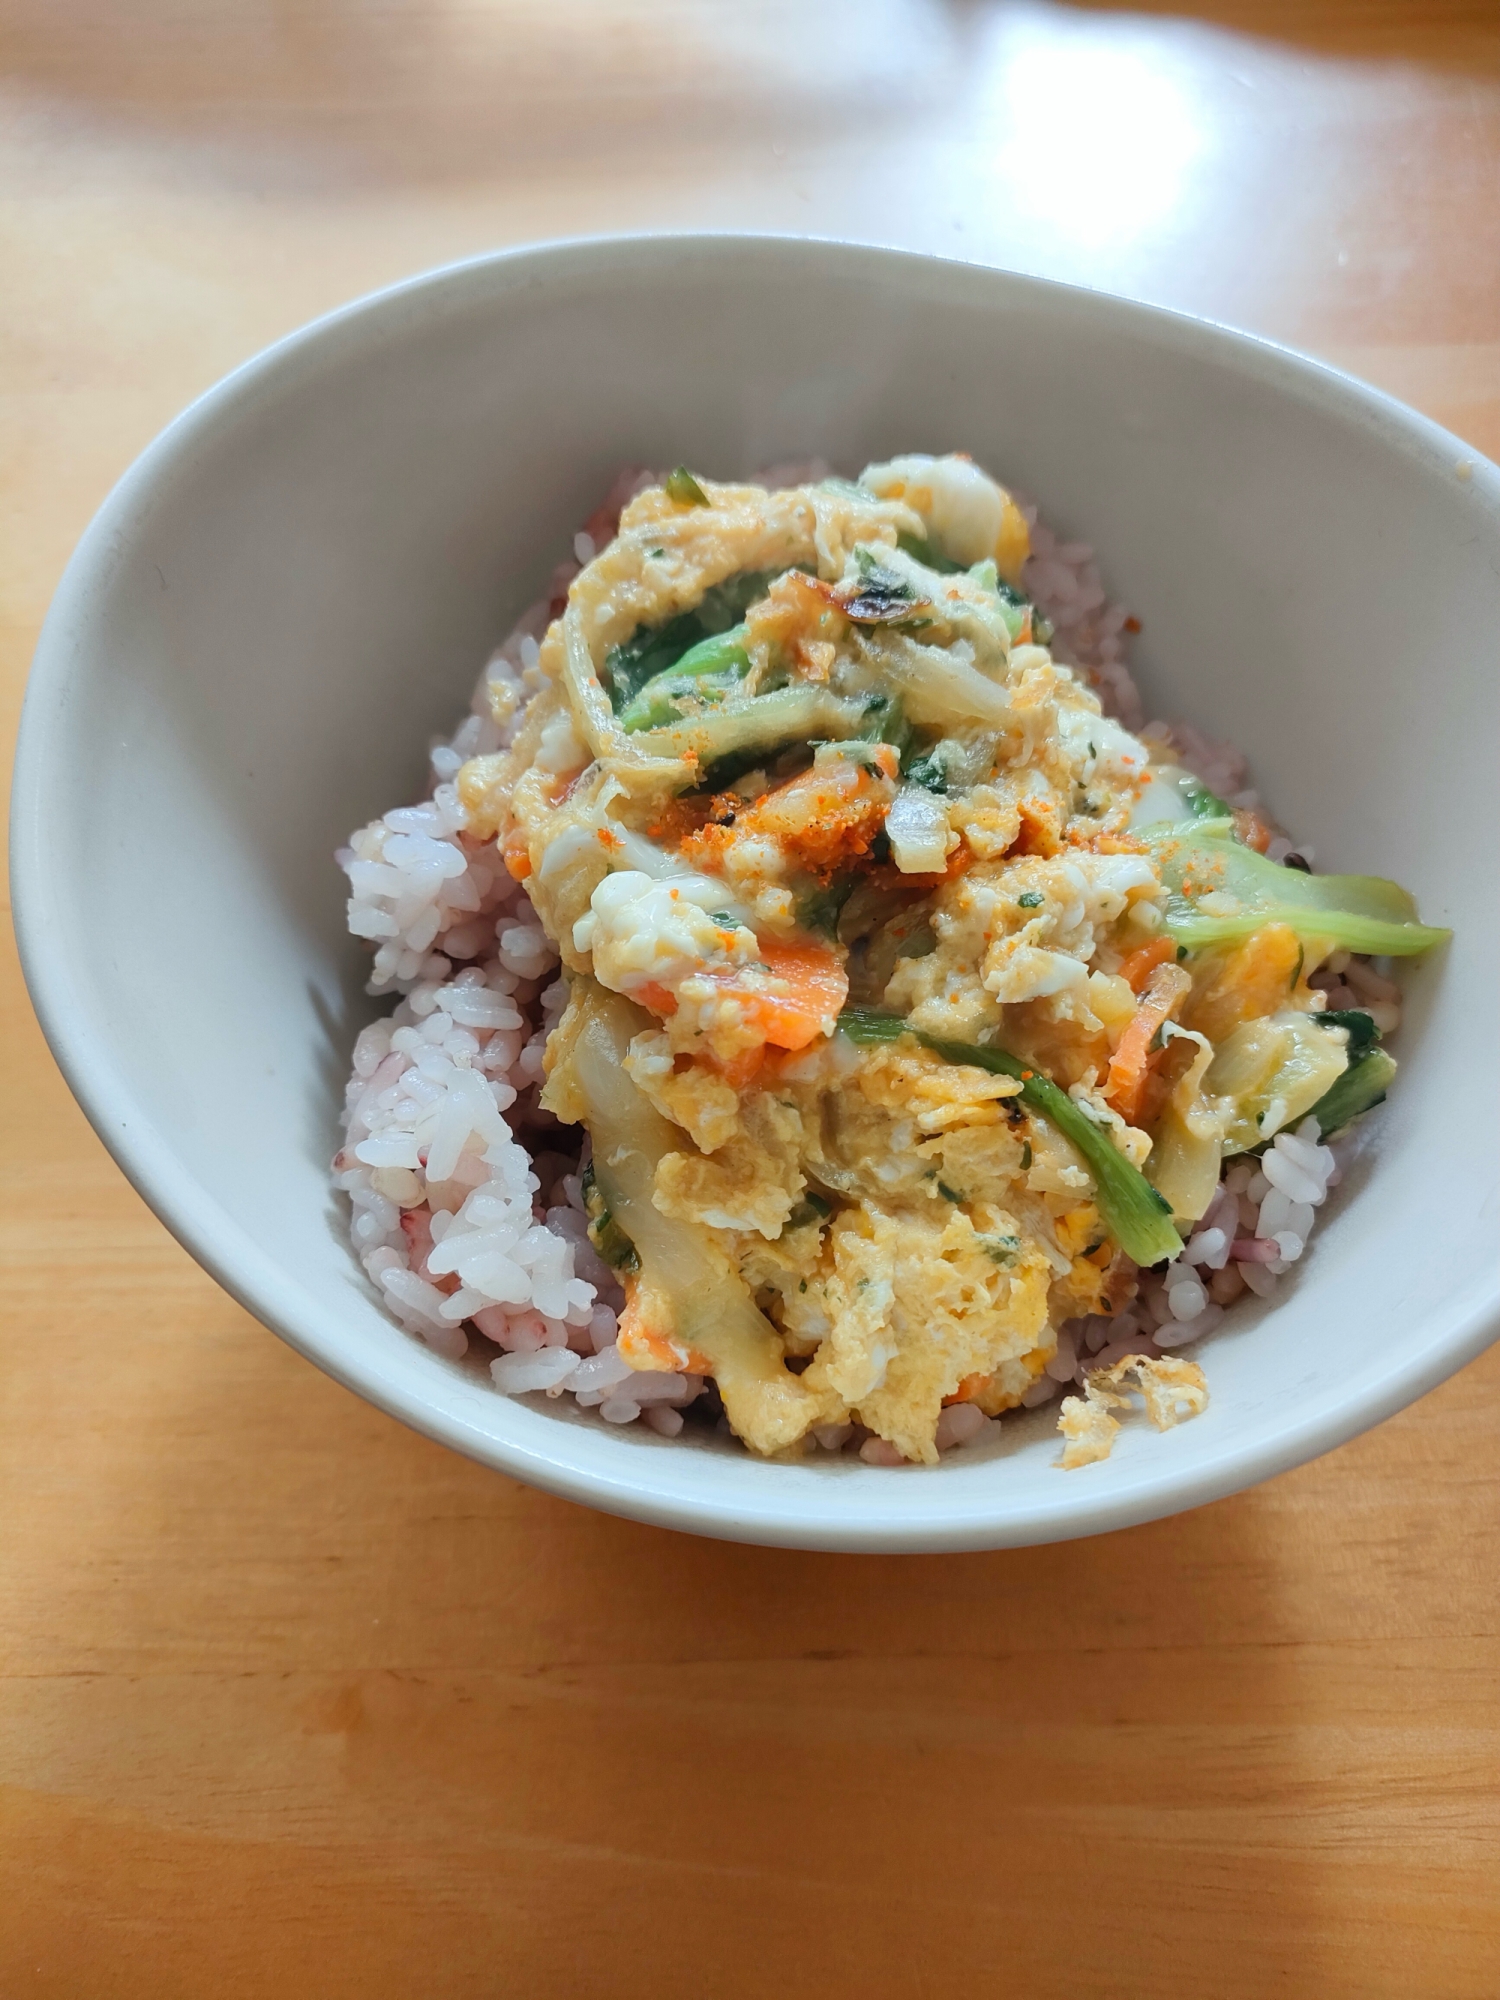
{"type": "Point", "coordinates": [929, 771]}
{"type": "Point", "coordinates": [683, 490]}
{"type": "Point", "coordinates": [1001, 1249]}
{"type": "Point", "coordinates": [811, 1208]}
{"type": "Point", "coordinates": [821, 908]}
{"type": "Point", "coordinates": [606, 1235]}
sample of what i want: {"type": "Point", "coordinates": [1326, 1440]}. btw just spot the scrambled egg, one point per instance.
{"type": "Point", "coordinates": [804, 752]}
{"type": "Point", "coordinates": [1170, 1388]}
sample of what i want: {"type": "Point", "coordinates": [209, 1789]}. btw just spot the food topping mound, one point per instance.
{"type": "Point", "coordinates": [914, 1005]}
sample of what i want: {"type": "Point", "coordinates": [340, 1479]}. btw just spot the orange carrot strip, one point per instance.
{"type": "Point", "coordinates": [818, 987]}
{"type": "Point", "coordinates": [823, 818]}
{"type": "Point", "coordinates": [968, 1391]}
{"type": "Point", "coordinates": [739, 1069]}
{"type": "Point", "coordinates": [1130, 1065]}
{"type": "Point", "coordinates": [1139, 966]}
{"type": "Point", "coordinates": [654, 1352]}
{"type": "Point", "coordinates": [657, 998]}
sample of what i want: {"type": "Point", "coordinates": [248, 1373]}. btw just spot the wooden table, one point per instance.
{"type": "Point", "coordinates": [298, 1704]}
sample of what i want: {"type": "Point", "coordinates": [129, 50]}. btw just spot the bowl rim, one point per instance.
{"type": "Point", "coordinates": [1465, 1324]}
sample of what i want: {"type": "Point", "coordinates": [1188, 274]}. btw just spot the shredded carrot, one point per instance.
{"type": "Point", "coordinates": [649, 1348]}
{"type": "Point", "coordinates": [517, 860]}
{"type": "Point", "coordinates": [970, 1388]}
{"type": "Point", "coordinates": [817, 987]}
{"type": "Point", "coordinates": [1253, 828]}
{"type": "Point", "coordinates": [739, 1069]}
{"type": "Point", "coordinates": [657, 998]}
{"type": "Point", "coordinates": [809, 989]}
{"type": "Point", "coordinates": [1139, 966]}
{"type": "Point", "coordinates": [1130, 1065]}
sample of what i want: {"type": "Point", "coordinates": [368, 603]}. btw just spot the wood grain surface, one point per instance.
{"type": "Point", "coordinates": [298, 1704]}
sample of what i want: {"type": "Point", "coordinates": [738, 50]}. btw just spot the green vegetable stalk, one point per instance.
{"type": "Point", "coordinates": [758, 728]}
{"type": "Point", "coordinates": [1202, 862]}
{"type": "Point", "coordinates": [1366, 1080]}
{"type": "Point", "coordinates": [1137, 1217]}
{"type": "Point", "coordinates": [706, 670]}
{"type": "Point", "coordinates": [652, 650]}
{"type": "Point", "coordinates": [1363, 1084]}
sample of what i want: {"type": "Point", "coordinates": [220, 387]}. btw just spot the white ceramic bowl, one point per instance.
{"type": "Point", "coordinates": [299, 580]}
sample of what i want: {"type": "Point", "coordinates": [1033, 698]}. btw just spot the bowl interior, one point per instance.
{"type": "Point", "coordinates": [298, 583]}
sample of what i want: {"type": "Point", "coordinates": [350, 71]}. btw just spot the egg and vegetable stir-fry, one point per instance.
{"type": "Point", "coordinates": [915, 1004]}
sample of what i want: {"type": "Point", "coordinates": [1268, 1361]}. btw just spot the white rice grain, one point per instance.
{"type": "Point", "coordinates": [523, 1374]}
